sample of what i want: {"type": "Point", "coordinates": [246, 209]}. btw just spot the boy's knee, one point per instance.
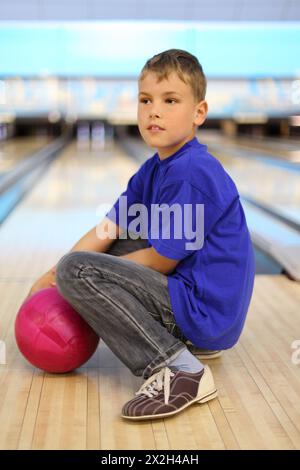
{"type": "Point", "coordinates": [68, 266]}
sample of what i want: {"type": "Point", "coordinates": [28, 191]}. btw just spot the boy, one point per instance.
{"type": "Point", "coordinates": [154, 298]}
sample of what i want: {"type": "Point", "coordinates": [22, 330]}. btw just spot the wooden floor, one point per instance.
{"type": "Point", "coordinates": [259, 386]}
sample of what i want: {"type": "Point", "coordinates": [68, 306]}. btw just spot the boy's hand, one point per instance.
{"type": "Point", "coordinates": [47, 280]}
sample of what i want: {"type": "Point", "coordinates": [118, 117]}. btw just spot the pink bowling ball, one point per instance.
{"type": "Point", "coordinates": [51, 335]}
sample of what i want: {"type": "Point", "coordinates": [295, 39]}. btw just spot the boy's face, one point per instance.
{"type": "Point", "coordinates": [176, 113]}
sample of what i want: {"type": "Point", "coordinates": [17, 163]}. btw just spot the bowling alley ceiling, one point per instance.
{"type": "Point", "coordinates": [197, 10]}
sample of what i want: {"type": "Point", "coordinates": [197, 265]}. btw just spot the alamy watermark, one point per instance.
{"type": "Point", "coordinates": [2, 353]}
{"type": "Point", "coordinates": [166, 222]}
{"type": "Point", "coordinates": [295, 358]}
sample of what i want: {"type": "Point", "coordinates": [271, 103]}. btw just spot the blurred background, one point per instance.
{"type": "Point", "coordinates": [68, 95]}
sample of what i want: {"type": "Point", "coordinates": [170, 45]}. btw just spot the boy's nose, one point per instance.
{"type": "Point", "coordinates": [154, 114]}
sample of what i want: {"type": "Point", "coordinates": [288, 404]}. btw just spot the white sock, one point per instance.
{"type": "Point", "coordinates": [187, 362]}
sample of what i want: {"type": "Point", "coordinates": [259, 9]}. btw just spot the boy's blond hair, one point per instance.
{"type": "Point", "coordinates": [186, 65]}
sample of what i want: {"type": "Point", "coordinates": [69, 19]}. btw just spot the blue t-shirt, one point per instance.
{"type": "Point", "coordinates": [211, 287]}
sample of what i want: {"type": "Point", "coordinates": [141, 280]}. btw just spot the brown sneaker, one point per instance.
{"type": "Point", "coordinates": [168, 392]}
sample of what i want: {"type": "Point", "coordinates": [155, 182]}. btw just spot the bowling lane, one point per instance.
{"type": "Point", "coordinates": [269, 183]}
{"type": "Point", "coordinates": [284, 148]}
{"type": "Point", "coordinates": [14, 150]}
{"type": "Point", "coordinates": [277, 147]}
{"type": "Point", "coordinates": [287, 149]}
{"type": "Point", "coordinates": [73, 195]}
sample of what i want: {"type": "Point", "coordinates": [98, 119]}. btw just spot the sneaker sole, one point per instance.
{"type": "Point", "coordinates": [213, 355]}
{"type": "Point", "coordinates": [201, 400]}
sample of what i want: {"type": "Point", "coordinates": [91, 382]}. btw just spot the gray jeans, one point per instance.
{"type": "Point", "coordinates": [127, 304]}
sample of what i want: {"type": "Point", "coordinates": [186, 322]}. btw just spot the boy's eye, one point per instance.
{"type": "Point", "coordinates": [143, 100]}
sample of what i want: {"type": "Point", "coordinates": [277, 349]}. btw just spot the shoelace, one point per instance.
{"type": "Point", "coordinates": [156, 383]}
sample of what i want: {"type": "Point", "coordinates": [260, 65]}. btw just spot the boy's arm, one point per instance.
{"type": "Point", "coordinates": [152, 259]}
{"type": "Point", "coordinates": [99, 238]}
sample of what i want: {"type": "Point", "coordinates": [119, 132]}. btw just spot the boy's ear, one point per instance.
{"type": "Point", "coordinates": [201, 112]}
